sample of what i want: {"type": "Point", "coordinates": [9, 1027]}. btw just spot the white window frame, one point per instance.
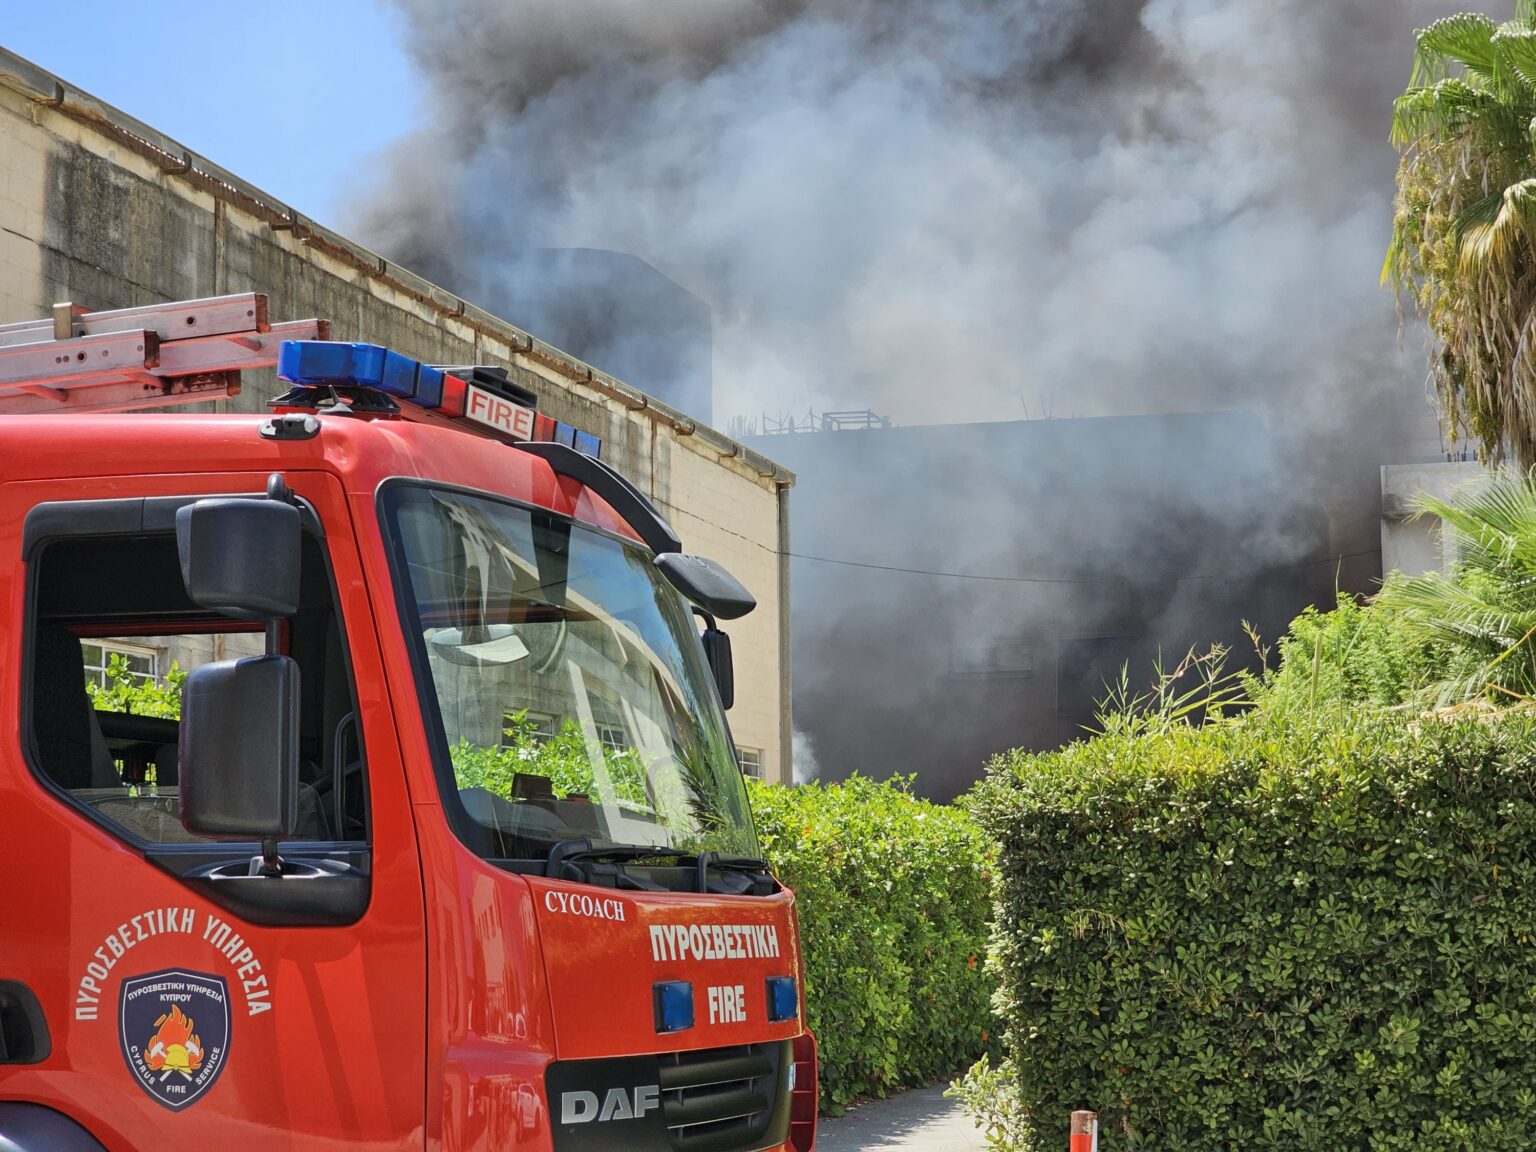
{"type": "Point", "coordinates": [97, 673]}
{"type": "Point", "coordinates": [546, 725]}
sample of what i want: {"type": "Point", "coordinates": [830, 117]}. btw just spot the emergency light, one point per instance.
{"type": "Point", "coordinates": [674, 1005]}
{"type": "Point", "coordinates": [783, 999]}
{"type": "Point", "coordinates": [482, 396]}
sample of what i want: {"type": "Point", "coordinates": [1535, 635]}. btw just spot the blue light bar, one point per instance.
{"type": "Point", "coordinates": [783, 999]}
{"type": "Point", "coordinates": [330, 362]}
{"type": "Point", "coordinates": [322, 362]}
{"type": "Point", "coordinates": [482, 397]}
{"type": "Point", "coordinates": [674, 1005]}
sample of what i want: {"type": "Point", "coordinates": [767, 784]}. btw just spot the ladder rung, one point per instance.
{"type": "Point", "coordinates": [245, 312]}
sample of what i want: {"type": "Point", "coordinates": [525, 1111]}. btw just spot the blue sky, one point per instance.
{"type": "Point", "coordinates": [295, 97]}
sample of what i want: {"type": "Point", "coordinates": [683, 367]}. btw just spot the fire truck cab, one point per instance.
{"type": "Point", "coordinates": [365, 781]}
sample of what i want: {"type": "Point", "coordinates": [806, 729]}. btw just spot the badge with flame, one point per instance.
{"type": "Point", "coordinates": [174, 1030]}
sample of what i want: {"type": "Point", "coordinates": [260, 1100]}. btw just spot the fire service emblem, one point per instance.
{"type": "Point", "coordinates": [173, 1027]}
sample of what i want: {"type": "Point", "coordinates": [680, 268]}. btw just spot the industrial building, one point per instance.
{"type": "Point", "coordinates": [963, 589]}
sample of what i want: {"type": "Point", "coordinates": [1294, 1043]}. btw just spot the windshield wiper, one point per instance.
{"type": "Point", "coordinates": [602, 862]}
{"type": "Point", "coordinates": [743, 875]}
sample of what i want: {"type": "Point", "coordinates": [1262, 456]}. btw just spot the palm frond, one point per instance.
{"type": "Point", "coordinates": [1393, 265]}
{"type": "Point", "coordinates": [1438, 110]}
{"type": "Point", "coordinates": [1514, 54]}
{"type": "Point", "coordinates": [1482, 213]}
{"type": "Point", "coordinates": [1481, 618]}
{"type": "Point", "coordinates": [1520, 206]}
{"type": "Point", "coordinates": [1495, 523]}
{"type": "Point", "coordinates": [1482, 235]}
{"type": "Point", "coordinates": [1465, 38]}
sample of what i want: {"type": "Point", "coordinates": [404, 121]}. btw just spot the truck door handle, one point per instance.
{"type": "Point", "coordinates": [23, 1030]}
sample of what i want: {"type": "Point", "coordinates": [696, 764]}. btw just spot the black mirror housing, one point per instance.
{"type": "Point", "coordinates": [240, 749]}
{"type": "Point", "coordinates": [706, 584]}
{"type": "Point", "coordinates": [240, 557]}
{"type": "Point", "coordinates": [717, 650]}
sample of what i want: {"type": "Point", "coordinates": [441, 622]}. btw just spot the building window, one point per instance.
{"type": "Point", "coordinates": [609, 722]}
{"type": "Point", "coordinates": [539, 726]}
{"type": "Point", "coordinates": [751, 761]}
{"type": "Point", "coordinates": [612, 737]}
{"type": "Point", "coordinates": [139, 663]}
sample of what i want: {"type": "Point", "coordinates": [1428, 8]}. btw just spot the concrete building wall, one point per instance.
{"type": "Point", "coordinates": [1415, 546]}
{"type": "Point", "coordinates": [101, 210]}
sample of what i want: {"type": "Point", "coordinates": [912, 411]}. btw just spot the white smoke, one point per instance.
{"type": "Point", "coordinates": [957, 210]}
{"type": "Point", "coordinates": [803, 759]}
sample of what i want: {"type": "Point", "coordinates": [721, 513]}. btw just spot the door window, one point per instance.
{"type": "Point", "coordinates": [112, 635]}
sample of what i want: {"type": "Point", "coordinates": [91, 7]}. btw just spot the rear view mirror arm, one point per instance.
{"type": "Point", "coordinates": [632, 505]}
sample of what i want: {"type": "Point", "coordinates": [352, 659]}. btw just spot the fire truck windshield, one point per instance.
{"type": "Point", "coordinates": [562, 674]}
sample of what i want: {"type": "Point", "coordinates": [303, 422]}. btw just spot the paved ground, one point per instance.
{"type": "Point", "coordinates": [919, 1121]}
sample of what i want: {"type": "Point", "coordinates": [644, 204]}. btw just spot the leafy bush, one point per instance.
{"type": "Point", "coordinates": [1469, 636]}
{"type": "Point", "coordinates": [893, 896]}
{"type": "Point", "coordinates": [1272, 933]}
{"type": "Point", "coordinates": [126, 692]}
{"type": "Point", "coordinates": [1357, 654]}
{"type": "Point", "coordinates": [563, 758]}
{"type": "Point", "coordinates": [990, 1096]}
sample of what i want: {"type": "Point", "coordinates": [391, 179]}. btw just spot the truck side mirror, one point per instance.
{"type": "Point", "coordinates": [240, 749]}
{"type": "Point", "coordinates": [717, 650]}
{"type": "Point", "coordinates": [240, 556]}
{"type": "Point", "coordinates": [705, 583]}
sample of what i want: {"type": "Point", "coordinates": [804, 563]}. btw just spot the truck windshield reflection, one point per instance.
{"type": "Point", "coordinates": [574, 700]}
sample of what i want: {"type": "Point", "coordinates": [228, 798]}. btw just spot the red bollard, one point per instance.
{"type": "Point", "coordinates": [1085, 1132]}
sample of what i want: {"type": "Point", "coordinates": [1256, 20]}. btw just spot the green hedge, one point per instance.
{"type": "Point", "coordinates": [1272, 935]}
{"type": "Point", "coordinates": [893, 896]}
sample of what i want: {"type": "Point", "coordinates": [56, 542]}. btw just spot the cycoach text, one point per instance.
{"type": "Point", "coordinates": [580, 904]}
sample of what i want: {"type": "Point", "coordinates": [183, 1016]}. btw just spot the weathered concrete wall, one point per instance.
{"type": "Point", "coordinates": [100, 210]}
{"type": "Point", "coordinates": [1416, 546]}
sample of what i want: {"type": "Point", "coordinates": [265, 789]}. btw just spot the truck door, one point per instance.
{"type": "Point", "coordinates": [177, 1011]}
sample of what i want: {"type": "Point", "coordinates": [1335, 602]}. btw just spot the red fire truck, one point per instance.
{"type": "Point", "coordinates": [433, 835]}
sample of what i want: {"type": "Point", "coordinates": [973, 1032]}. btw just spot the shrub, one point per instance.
{"type": "Point", "coordinates": [1272, 934]}
{"type": "Point", "coordinates": [1357, 654]}
{"type": "Point", "coordinates": [563, 758]}
{"type": "Point", "coordinates": [893, 897]}
{"type": "Point", "coordinates": [125, 692]}
{"type": "Point", "coordinates": [990, 1095]}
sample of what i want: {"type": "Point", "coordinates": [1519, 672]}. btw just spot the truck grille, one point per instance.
{"type": "Point", "coordinates": [709, 1100]}
{"type": "Point", "coordinates": [726, 1099]}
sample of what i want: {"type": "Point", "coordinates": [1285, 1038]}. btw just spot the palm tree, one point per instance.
{"type": "Point", "coordinates": [1481, 620]}
{"type": "Point", "coordinates": [1464, 232]}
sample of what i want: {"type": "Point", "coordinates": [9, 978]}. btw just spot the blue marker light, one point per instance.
{"type": "Point", "coordinates": [674, 1005]}
{"type": "Point", "coordinates": [783, 999]}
